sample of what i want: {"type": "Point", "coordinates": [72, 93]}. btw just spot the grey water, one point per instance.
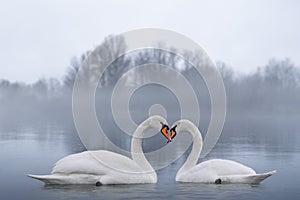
{"type": "Point", "coordinates": [262, 142]}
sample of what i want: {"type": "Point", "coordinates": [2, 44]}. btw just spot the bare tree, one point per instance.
{"type": "Point", "coordinates": [72, 70]}
{"type": "Point", "coordinates": [112, 47]}
{"type": "Point", "coordinates": [282, 73]}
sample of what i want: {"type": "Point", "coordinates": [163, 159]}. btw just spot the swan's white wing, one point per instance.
{"type": "Point", "coordinates": [210, 170]}
{"type": "Point", "coordinates": [95, 162]}
{"type": "Point", "coordinates": [222, 167]}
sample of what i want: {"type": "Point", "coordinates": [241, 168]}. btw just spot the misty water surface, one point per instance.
{"type": "Point", "coordinates": [262, 142]}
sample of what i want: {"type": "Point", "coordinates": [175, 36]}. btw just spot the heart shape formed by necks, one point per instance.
{"type": "Point", "coordinates": [168, 134]}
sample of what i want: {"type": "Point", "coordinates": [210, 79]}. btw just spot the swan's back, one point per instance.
{"type": "Point", "coordinates": [223, 167]}
{"type": "Point", "coordinates": [209, 171]}
{"type": "Point", "coordinates": [95, 162]}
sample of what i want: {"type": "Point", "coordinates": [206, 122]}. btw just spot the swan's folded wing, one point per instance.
{"type": "Point", "coordinates": [95, 162]}
{"type": "Point", "coordinates": [78, 163]}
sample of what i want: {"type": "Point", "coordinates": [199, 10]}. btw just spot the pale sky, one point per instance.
{"type": "Point", "coordinates": [38, 38]}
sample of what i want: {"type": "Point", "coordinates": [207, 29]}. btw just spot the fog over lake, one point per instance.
{"type": "Point", "coordinates": [261, 129]}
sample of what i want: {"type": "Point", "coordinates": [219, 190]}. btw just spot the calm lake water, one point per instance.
{"type": "Point", "coordinates": [264, 144]}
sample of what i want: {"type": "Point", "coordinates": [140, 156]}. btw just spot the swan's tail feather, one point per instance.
{"type": "Point", "coordinates": [47, 179]}
{"type": "Point", "coordinates": [257, 178]}
{"type": "Point", "coordinates": [248, 179]}
{"type": "Point", "coordinates": [67, 178]}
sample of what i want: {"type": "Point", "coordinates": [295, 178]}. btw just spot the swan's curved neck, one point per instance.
{"type": "Point", "coordinates": [192, 159]}
{"type": "Point", "coordinates": [137, 149]}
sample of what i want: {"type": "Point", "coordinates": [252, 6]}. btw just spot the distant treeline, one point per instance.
{"type": "Point", "coordinates": [273, 88]}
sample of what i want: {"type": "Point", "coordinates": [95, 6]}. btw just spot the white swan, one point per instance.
{"type": "Point", "coordinates": [105, 167]}
{"type": "Point", "coordinates": [212, 171]}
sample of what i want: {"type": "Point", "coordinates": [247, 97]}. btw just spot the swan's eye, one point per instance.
{"type": "Point", "coordinates": [173, 132]}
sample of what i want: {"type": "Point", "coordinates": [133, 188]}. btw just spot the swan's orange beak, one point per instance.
{"type": "Point", "coordinates": [164, 131]}
{"type": "Point", "coordinates": [173, 132]}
